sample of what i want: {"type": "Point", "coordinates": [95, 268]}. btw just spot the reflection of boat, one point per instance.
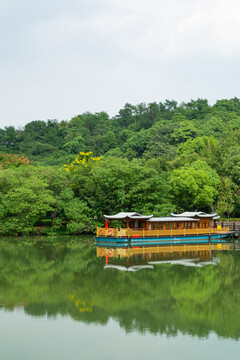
{"type": "Point", "coordinates": [188, 227]}
{"type": "Point", "coordinates": [137, 257]}
{"type": "Point", "coordinates": [131, 268]}
{"type": "Point", "coordinates": [196, 262]}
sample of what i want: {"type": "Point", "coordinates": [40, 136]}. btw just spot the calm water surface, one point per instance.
{"type": "Point", "coordinates": [60, 300]}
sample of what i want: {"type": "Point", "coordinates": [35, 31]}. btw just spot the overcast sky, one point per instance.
{"type": "Point", "coordinates": [60, 58]}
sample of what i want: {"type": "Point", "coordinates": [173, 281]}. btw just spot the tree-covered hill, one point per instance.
{"type": "Point", "coordinates": [157, 157]}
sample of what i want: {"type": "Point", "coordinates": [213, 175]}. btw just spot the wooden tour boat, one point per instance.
{"type": "Point", "coordinates": [188, 227]}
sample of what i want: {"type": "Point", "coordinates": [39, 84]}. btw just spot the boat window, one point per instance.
{"type": "Point", "coordinates": [177, 225]}
{"type": "Point", "coordinates": [153, 226]}
{"type": "Point", "coordinates": [166, 225]}
{"type": "Point", "coordinates": [157, 225]}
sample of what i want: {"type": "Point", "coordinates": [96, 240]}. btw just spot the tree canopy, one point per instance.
{"type": "Point", "coordinates": [155, 157]}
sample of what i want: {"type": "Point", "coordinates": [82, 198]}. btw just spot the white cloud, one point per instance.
{"type": "Point", "coordinates": [170, 29]}
{"type": "Point", "coordinates": [97, 54]}
{"type": "Point", "coordinates": [151, 30]}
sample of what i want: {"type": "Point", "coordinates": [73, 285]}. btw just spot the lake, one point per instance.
{"type": "Point", "coordinates": [62, 298]}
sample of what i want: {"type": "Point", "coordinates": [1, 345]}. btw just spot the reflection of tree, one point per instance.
{"type": "Point", "coordinates": [68, 279]}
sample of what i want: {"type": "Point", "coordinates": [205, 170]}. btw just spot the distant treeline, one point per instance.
{"type": "Point", "coordinates": [157, 158]}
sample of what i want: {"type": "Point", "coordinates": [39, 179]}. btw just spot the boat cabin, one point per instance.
{"type": "Point", "coordinates": [133, 225]}
{"type": "Point", "coordinates": [186, 220]}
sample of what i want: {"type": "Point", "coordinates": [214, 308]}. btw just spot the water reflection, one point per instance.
{"type": "Point", "coordinates": [67, 277]}
{"type": "Point", "coordinates": [136, 258]}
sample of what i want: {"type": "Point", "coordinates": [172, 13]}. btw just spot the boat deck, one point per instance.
{"type": "Point", "coordinates": [157, 233]}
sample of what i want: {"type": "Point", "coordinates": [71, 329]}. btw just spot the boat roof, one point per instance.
{"type": "Point", "coordinates": [185, 216]}
{"type": "Point", "coordinates": [171, 219]}
{"type": "Point", "coordinates": [128, 215]}
{"type": "Point", "coordinates": [192, 214]}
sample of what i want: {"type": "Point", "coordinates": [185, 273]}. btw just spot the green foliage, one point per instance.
{"type": "Point", "coordinates": [9, 139]}
{"type": "Point", "coordinates": [194, 186]}
{"type": "Point", "coordinates": [231, 164]}
{"type": "Point", "coordinates": [113, 186]}
{"type": "Point", "coordinates": [227, 197]}
{"type": "Point", "coordinates": [224, 105]}
{"type": "Point", "coordinates": [150, 152]}
{"type": "Point", "coordinates": [194, 145]}
{"type": "Point", "coordinates": [24, 199]}
{"type": "Point", "coordinates": [136, 143]}
{"type": "Point", "coordinates": [201, 148]}
{"type": "Point", "coordinates": [78, 216]}
{"type": "Point", "coordinates": [186, 130]}
{"type": "Point", "coordinates": [75, 145]}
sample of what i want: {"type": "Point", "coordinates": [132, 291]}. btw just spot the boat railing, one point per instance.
{"type": "Point", "coordinates": [127, 232]}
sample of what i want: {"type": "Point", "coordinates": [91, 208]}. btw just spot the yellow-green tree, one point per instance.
{"type": "Point", "coordinates": [83, 160]}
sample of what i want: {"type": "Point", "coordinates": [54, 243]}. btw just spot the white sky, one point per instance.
{"type": "Point", "coordinates": [60, 58]}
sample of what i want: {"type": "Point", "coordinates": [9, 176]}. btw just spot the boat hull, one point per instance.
{"type": "Point", "coordinates": [145, 241]}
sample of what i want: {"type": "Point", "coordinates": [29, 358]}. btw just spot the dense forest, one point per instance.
{"type": "Point", "coordinates": [62, 176]}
